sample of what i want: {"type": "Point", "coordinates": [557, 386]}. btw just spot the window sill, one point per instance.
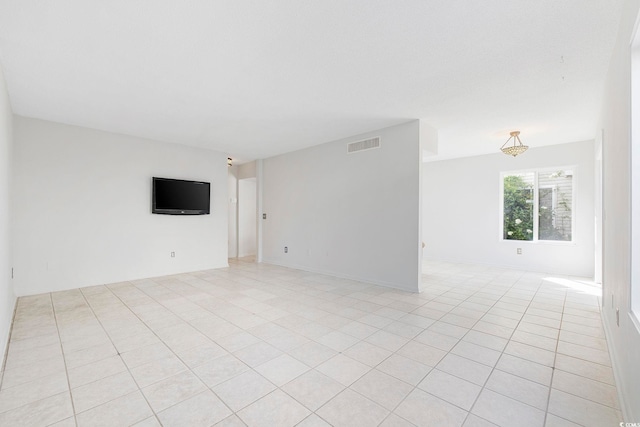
{"type": "Point", "coordinates": [540, 242]}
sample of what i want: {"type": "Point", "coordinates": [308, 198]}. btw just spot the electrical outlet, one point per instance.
{"type": "Point", "coordinates": [519, 251]}
{"type": "Point", "coordinates": [286, 250]}
{"type": "Point", "coordinates": [173, 254]}
{"type": "Point", "coordinates": [264, 216]}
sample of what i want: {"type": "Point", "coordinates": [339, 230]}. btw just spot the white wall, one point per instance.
{"type": "Point", "coordinates": [461, 219]}
{"type": "Point", "coordinates": [82, 208]}
{"type": "Point", "coordinates": [7, 296]}
{"type": "Point", "coordinates": [623, 340]}
{"type": "Point", "coordinates": [246, 217]}
{"type": "Point", "coordinates": [348, 215]}
{"type": "Point", "coordinates": [232, 201]}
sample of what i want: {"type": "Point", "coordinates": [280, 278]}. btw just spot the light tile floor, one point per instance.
{"type": "Point", "coordinates": [260, 345]}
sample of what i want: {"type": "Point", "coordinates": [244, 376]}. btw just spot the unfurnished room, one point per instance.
{"type": "Point", "coordinates": [320, 213]}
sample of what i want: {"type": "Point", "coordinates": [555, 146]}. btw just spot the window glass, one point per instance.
{"type": "Point", "coordinates": [518, 206]}
{"type": "Point", "coordinates": [538, 205]}
{"type": "Point", "coordinates": [555, 197]}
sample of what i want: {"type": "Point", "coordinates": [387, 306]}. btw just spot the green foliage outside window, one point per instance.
{"type": "Point", "coordinates": [554, 220]}
{"type": "Point", "coordinates": [518, 208]}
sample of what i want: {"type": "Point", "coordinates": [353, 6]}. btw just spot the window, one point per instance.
{"type": "Point", "coordinates": [538, 205]}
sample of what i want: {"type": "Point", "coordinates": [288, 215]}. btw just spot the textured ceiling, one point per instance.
{"type": "Point", "coordinates": [259, 78]}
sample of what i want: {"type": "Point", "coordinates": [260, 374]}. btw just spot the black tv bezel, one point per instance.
{"type": "Point", "coordinates": [155, 210]}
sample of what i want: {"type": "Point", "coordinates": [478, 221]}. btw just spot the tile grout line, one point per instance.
{"type": "Point", "coordinates": [155, 414]}
{"type": "Point", "coordinates": [493, 368]}
{"type": "Point", "coordinates": [555, 357]}
{"type": "Point", "coordinates": [66, 369]}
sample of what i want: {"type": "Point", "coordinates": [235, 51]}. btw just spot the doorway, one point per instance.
{"type": "Point", "coordinates": [247, 246]}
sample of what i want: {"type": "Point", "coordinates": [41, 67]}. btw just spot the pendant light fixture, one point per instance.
{"type": "Point", "coordinates": [516, 147]}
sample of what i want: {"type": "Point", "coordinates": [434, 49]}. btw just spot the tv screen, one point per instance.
{"type": "Point", "coordinates": [180, 197]}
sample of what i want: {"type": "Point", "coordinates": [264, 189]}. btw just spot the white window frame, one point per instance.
{"type": "Point", "coordinates": [536, 204]}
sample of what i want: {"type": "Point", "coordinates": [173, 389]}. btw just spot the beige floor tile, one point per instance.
{"type": "Point", "coordinates": [493, 329]}
{"type": "Point", "coordinates": [518, 388]}
{"type": "Point", "coordinates": [89, 355]}
{"type": "Point", "coordinates": [95, 371]}
{"type": "Point", "coordinates": [201, 410]}
{"type": "Point", "coordinates": [475, 421]}
{"type": "Point", "coordinates": [555, 421]}
{"type": "Point", "coordinates": [367, 353]}
{"type": "Point", "coordinates": [201, 354]}
{"type": "Point", "coordinates": [422, 353]}
{"type": "Point", "coordinates": [14, 397]}
{"type": "Point", "coordinates": [437, 340]}
{"type": "Point", "coordinates": [405, 369]}
{"type": "Point", "coordinates": [539, 341]}
{"type": "Point", "coordinates": [387, 340]}
{"type": "Point", "coordinates": [219, 370]}
{"type": "Point", "coordinates": [591, 370]}
{"type": "Point", "coordinates": [313, 389]}
{"type": "Point", "coordinates": [415, 320]}
{"type": "Point", "coordinates": [231, 421]}
{"type": "Point", "coordinates": [585, 353]}
{"type": "Point", "coordinates": [67, 422]}
{"type": "Point", "coordinates": [403, 330]}
{"type": "Point", "coordinates": [581, 411]}
{"type": "Point", "coordinates": [448, 329]}
{"type": "Point", "coordinates": [505, 411]}
{"type": "Point", "coordinates": [424, 409]}
{"type": "Point", "coordinates": [33, 371]}
{"type": "Point", "coordinates": [237, 341]}
{"type": "Point", "coordinates": [275, 409]}
{"type": "Point", "coordinates": [313, 421]}
{"type": "Point", "coordinates": [525, 369]}
{"type": "Point", "coordinates": [337, 341]}
{"type": "Point", "coordinates": [244, 389]}
{"type": "Point", "coordinates": [285, 322]}
{"type": "Point", "coordinates": [257, 354]}
{"type": "Point", "coordinates": [172, 390]}
{"type": "Point", "coordinates": [393, 420]}
{"type": "Point", "coordinates": [596, 391]}
{"type": "Point", "coordinates": [24, 358]}
{"type": "Point", "coordinates": [385, 390]}
{"type": "Point", "coordinates": [451, 389]}
{"type": "Point", "coordinates": [477, 353]}
{"type": "Point", "coordinates": [157, 370]}
{"type": "Point", "coordinates": [312, 354]}
{"type": "Point", "coordinates": [101, 391]}
{"type": "Point", "coordinates": [343, 369]}
{"type": "Point", "coordinates": [33, 343]}
{"type": "Point", "coordinates": [43, 412]}
{"type": "Point", "coordinates": [282, 369]}
{"type": "Point", "coordinates": [544, 331]}
{"type": "Point", "coordinates": [358, 329]}
{"type": "Point", "coordinates": [288, 341]}
{"type": "Point", "coordinates": [465, 369]}
{"type": "Point", "coordinates": [531, 353]}
{"type": "Point", "coordinates": [148, 422]}
{"type": "Point", "coordinates": [125, 410]}
{"type": "Point", "coordinates": [128, 343]}
{"type": "Point", "coordinates": [485, 340]}
{"type": "Point", "coordinates": [146, 354]}
{"type": "Point", "coordinates": [585, 340]}
{"type": "Point", "coordinates": [350, 409]}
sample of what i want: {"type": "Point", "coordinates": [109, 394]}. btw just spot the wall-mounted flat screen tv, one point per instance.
{"type": "Point", "coordinates": [180, 197]}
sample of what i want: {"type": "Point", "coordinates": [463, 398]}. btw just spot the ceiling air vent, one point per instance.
{"type": "Point", "coordinates": [366, 144]}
